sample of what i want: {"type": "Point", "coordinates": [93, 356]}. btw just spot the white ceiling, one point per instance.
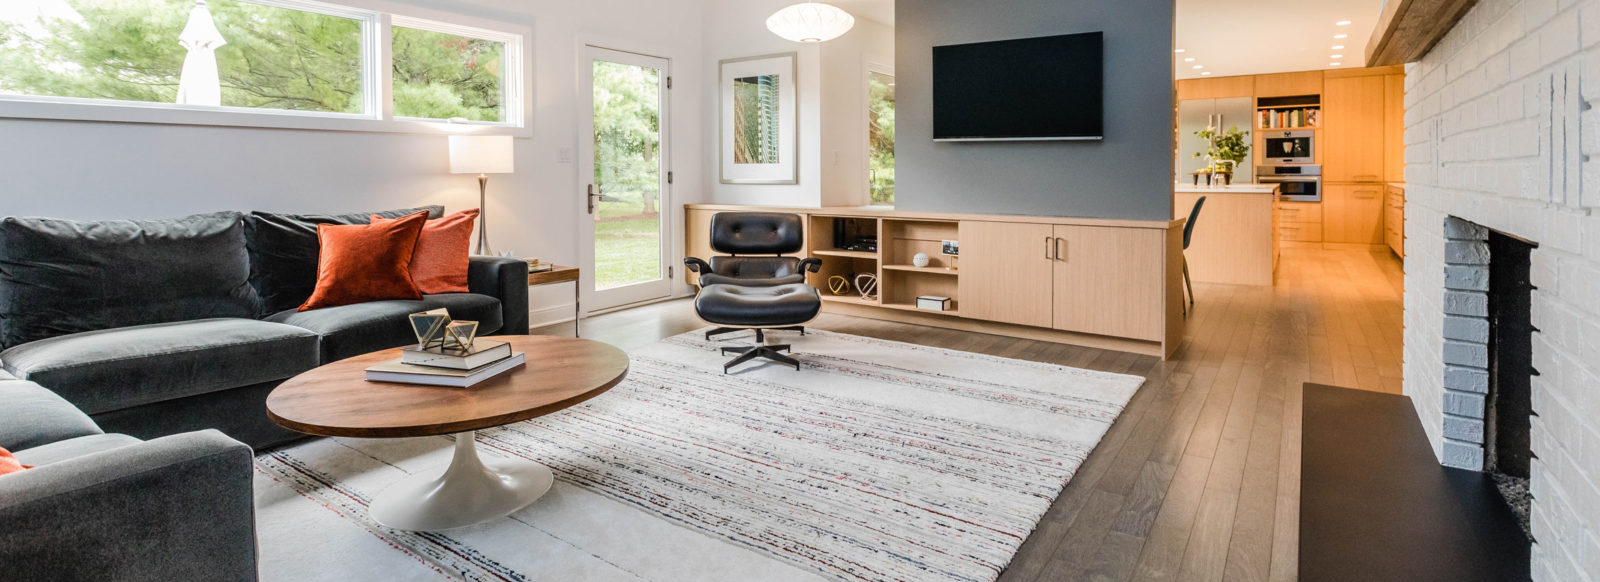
{"type": "Point", "coordinates": [1242, 37]}
{"type": "Point", "coordinates": [879, 10]}
{"type": "Point", "coordinates": [1248, 37]}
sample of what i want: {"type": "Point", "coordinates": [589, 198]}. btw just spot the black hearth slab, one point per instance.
{"type": "Point", "coordinates": [1375, 504]}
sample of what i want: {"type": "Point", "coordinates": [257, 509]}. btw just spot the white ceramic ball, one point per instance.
{"type": "Point", "coordinates": [920, 260]}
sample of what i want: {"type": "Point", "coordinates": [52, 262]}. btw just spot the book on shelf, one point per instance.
{"type": "Point", "coordinates": [483, 351]}
{"type": "Point", "coordinates": [403, 373]}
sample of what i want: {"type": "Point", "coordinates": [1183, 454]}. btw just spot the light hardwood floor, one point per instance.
{"type": "Point", "coordinates": [1199, 478]}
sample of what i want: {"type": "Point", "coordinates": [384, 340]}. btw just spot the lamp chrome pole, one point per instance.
{"type": "Point", "coordinates": [483, 216]}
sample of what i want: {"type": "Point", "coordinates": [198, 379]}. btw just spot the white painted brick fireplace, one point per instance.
{"type": "Point", "coordinates": [1500, 132]}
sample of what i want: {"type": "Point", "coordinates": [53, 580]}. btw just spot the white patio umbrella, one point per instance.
{"type": "Point", "coordinates": [200, 84]}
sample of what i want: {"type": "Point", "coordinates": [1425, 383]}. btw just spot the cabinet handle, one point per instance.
{"type": "Point", "coordinates": [1366, 194]}
{"type": "Point", "coordinates": [1059, 256]}
{"type": "Point", "coordinates": [1047, 247]}
{"type": "Point", "coordinates": [1372, 177]}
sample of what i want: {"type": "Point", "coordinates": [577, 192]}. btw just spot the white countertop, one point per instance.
{"type": "Point", "coordinates": [1234, 189]}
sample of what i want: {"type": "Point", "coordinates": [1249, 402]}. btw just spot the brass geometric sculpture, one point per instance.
{"type": "Point", "coordinates": [437, 332]}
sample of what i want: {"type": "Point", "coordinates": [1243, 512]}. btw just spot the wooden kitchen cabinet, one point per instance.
{"type": "Point", "coordinates": [1109, 281]}
{"type": "Point", "coordinates": [1353, 213]}
{"type": "Point", "coordinates": [1006, 272]}
{"type": "Point", "coordinates": [1394, 128]}
{"type": "Point", "coordinates": [1287, 84]}
{"type": "Point", "coordinates": [1353, 139]}
{"type": "Point", "coordinates": [1394, 219]}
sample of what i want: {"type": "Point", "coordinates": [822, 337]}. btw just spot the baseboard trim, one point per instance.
{"type": "Point", "coordinates": [1006, 329]}
{"type": "Point", "coordinates": [550, 315]}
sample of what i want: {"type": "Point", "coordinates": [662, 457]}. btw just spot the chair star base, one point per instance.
{"type": "Point", "coordinates": [747, 353]}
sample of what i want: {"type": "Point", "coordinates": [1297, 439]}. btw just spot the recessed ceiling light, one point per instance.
{"type": "Point", "coordinates": [1335, 56]}
{"type": "Point", "coordinates": [1333, 64]}
{"type": "Point", "coordinates": [1177, 50]}
{"type": "Point", "coordinates": [1205, 73]}
{"type": "Point", "coordinates": [1188, 59]}
{"type": "Point", "coordinates": [1342, 23]}
{"type": "Point", "coordinates": [1199, 66]}
{"type": "Point", "coordinates": [1338, 47]}
{"type": "Point", "coordinates": [1341, 36]}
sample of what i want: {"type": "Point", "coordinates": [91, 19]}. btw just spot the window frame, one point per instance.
{"type": "Point", "coordinates": [377, 18]}
{"type": "Point", "coordinates": [869, 67]}
{"type": "Point", "coordinates": [511, 90]}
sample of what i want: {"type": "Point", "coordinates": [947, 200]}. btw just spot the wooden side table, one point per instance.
{"type": "Point", "coordinates": [560, 274]}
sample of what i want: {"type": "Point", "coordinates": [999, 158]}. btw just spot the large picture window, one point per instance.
{"type": "Point", "coordinates": [443, 74]}
{"type": "Point", "coordinates": [208, 61]}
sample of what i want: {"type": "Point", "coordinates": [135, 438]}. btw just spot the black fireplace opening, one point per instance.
{"type": "Point", "coordinates": [1507, 450]}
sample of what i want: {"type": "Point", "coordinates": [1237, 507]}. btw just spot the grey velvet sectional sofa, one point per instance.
{"type": "Point", "coordinates": [158, 327]}
{"type": "Point", "coordinates": [137, 360]}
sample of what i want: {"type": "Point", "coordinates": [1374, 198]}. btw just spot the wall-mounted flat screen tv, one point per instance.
{"type": "Point", "coordinates": [1031, 89]}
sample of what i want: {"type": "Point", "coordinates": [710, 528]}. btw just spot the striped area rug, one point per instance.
{"type": "Point", "coordinates": [878, 460]}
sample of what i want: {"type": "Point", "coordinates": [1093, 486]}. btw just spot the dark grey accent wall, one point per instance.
{"type": "Point", "coordinates": [1128, 175]}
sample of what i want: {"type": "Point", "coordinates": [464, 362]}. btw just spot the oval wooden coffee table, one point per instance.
{"type": "Point", "coordinates": [336, 400]}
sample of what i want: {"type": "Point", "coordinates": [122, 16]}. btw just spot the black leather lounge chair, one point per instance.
{"type": "Point", "coordinates": [755, 286]}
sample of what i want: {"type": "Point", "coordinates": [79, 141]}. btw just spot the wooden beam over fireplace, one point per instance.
{"type": "Point", "coordinates": [1407, 29]}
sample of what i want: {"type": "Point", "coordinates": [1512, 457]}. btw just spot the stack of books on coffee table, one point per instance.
{"type": "Point", "coordinates": [449, 367]}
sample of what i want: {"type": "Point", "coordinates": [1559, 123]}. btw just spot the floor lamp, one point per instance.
{"type": "Point", "coordinates": [481, 155]}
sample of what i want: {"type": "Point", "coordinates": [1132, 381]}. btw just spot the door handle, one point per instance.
{"type": "Point", "coordinates": [595, 197]}
{"type": "Point", "coordinates": [1057, 246]}
{"type": "Point", "coordinates": [1047, 256]}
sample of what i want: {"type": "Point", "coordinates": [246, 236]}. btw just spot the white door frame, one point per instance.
{"type": "Point", "coordinates": [592, 299]}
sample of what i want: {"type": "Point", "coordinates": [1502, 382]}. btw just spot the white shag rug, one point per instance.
{"type": "Point", "coordinates": [878, 460]}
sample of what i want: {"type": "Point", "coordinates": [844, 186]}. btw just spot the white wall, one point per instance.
{"type": "Point", "coordinates": [1497, 134]}
{"type": "Point", "coordinates": [105, 170]}
{"type": "Point", "coordinates": [844, 110]}
{"type": "Point", "coordinates": [832, 96]}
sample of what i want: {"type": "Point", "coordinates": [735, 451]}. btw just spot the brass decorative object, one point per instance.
{"type": "Point", "coordinates": [429, 326]}
{"type": "Point", "coordinates": [458, 335]}
{"type": "Point", "coordinates": [838, 285]}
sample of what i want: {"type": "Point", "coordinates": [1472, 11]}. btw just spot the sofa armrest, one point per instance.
{"type": "Point", "coordinates": [175, 508]}
{"type": "Point", "coordinates": [505, 279]}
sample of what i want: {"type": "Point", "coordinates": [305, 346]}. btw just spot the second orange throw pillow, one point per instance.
{"type": "Point", "coordinates": [440, 263]}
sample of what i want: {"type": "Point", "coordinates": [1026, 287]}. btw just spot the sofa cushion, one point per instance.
{"type": "Point", "coordinates": [72, 448]}
{"type": "Point", "coordinates": [283, 251]}
{"type": "Point", "coordinates": [101, 371]}
{"type": "Point", "coordinates": [352, 330]}
{"type": "Point", "coordinates": [33, 416]}
{"type": "Point", "coordinates": [365, 262]}
{"type": "Point", "coordinates": [59, 277]}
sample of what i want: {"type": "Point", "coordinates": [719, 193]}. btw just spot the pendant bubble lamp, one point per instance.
{"type": "Point", "coordinates": [810, 22]}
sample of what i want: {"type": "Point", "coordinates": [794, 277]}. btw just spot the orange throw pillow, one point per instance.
{"type": "Point", "coordinates": [9, 462]}
{"type": "Point", "coordinates": [440, 263]}
{"type": "Point", "coordinates": [358, 263]}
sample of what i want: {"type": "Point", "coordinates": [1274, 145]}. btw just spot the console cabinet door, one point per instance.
{"type": "Point", "coordinates": [1005, 272]}
{"type": "Point", "coordinates": [1110, 281]}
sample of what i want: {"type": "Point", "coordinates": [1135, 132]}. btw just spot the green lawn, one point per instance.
{"type": "Point", "coordinates": [626, 250]}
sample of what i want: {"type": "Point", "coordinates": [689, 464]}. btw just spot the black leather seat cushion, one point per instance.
{"type": "Point", "coordinates": [758, 306]}
{"type": "Point", "coordinates": [352, 330]}
{"type": "Point", "coordinates": [113, 369]}
{"type": "Point", "coordinates": [753, 271]}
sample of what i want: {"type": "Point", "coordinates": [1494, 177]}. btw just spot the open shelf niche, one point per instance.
{"type": "Point", "coordinates": [842, 262]}
{"type": "Point", "coordinates": [901, 282]}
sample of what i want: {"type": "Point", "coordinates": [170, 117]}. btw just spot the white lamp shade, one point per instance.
{"type": "Point", "coordinates": [810, 22]}
{"type": "Point", "coordinates": [481, 154]}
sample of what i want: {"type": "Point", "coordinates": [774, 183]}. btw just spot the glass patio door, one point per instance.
{"type": "Point", "coordinates": [625, 179]}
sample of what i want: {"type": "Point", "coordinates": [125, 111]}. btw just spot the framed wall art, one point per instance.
{"type": "Point", "coordinates": [758, 131]}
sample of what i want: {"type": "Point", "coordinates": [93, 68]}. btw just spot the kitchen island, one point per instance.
{"type": "Point", "coordinates": [1235, 236]}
